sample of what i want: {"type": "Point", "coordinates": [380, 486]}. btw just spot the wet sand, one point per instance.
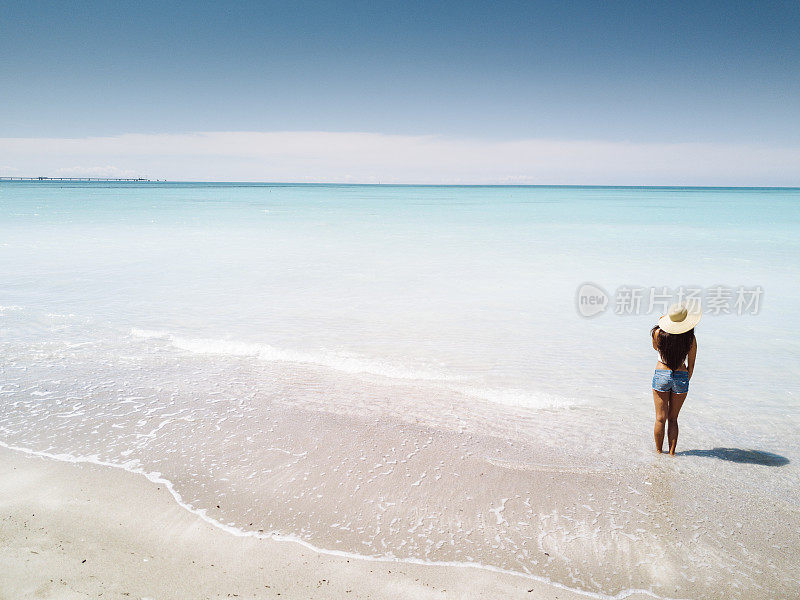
{"type": "Point", "coordinates": [74, 531]}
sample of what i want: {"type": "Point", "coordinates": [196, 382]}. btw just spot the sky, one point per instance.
{"type": "Point", "coordinates": [439, 92]}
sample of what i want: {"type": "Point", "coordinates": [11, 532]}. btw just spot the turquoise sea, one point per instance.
{"type": "Point", "coordinates": [129, 310]}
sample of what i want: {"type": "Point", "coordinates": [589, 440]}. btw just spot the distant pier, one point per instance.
{"type": "Point", "coordinates": [73, 179]}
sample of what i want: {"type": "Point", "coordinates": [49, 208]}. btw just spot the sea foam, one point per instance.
{"type": "Point", "coordinates": [344, 363]}
{"type": "Point", "coordinates": [354, 365]}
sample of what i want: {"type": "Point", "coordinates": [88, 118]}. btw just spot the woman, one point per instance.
{"type": "Point", "coordinates": [673, 339]}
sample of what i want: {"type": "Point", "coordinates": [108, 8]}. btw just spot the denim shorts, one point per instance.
{"type": "Point", "coordinates": [665, 380]}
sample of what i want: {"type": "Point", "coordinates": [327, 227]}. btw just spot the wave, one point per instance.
{"type": "Point", "coordinates": [337, 361]}
{"type": "Point", "coordinates": [356, 365]}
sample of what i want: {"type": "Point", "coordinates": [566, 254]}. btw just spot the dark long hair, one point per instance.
{"type": "Point", "coordinates": [673, 347]}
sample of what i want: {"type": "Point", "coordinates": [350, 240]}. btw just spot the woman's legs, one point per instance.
{"type": "Point", "coordinates": [661, 400]}
{"type": "Point", "coordinates": [675, 403]}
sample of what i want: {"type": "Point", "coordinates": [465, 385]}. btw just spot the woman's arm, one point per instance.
{"type": "Point", "coordinates": [654, 336]}
{"type": "Point", "coordinates": [691, 357]}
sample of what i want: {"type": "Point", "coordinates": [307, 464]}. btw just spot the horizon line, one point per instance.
{"type": "Point", "coordinates": [47, 179]}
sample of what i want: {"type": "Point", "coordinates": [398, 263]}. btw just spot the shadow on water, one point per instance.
{"type": "Point", "coordinates": [739, 455]}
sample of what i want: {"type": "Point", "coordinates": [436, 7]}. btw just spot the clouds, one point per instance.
{"type": "Point", "coordinates": [305, 156]}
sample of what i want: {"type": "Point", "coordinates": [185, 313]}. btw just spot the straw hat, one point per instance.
{"type": "Point", "coordinates": [679, 320]}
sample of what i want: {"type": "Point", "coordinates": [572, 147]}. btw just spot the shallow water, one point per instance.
{"type": "Point", "coordinates": [402, 371]}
